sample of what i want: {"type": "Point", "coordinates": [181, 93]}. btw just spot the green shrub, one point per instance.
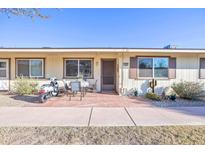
{"type": "Point", "coordinates": [188, 90]}
{"type": "Point", "coordinates": [153, 96]}
{"type": "Point", "coordinates": [24, 86]}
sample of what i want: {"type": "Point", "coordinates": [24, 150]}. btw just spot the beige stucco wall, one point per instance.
{"type": "Point", "coordinates": [187, 67]}
{"type": "Point", "coordinates": [54, 64]}
{"type": "Point", "coordinates": [187, 70]}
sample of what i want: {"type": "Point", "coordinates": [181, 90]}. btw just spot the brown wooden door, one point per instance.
{"type": "Point", "coordinates": [108, 75]}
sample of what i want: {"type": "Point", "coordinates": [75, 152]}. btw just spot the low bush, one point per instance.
{"type": "Point", "coordinates": [24, 86]}
{"type": "Point", "coordinates": [153, 96]}
{"type": "Point", "coordinates": [188, 90]}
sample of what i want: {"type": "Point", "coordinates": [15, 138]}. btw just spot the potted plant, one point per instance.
{"type": "Point", "coordinates": [172, 97]}
{"type": "Point", "coordinates": [135, 93]}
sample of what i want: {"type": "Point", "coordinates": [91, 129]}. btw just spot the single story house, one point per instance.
{"type": "Point", "coordinates": [119, 69]}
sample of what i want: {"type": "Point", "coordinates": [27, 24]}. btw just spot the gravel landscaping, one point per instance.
{"type": "Point", "coordinates": [103, 135]}
{"type": "Point", "coordinates": [179, 103]}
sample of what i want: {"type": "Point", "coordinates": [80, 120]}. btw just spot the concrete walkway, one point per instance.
{"type": "Point", "coordinates": [67, 116]}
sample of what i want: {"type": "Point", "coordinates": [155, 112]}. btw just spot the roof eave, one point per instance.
{"type": "Point", "coordinates": [61, 50]}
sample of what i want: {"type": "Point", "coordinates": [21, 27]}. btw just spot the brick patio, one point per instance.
{"type": "Point", "coordinates": [97, 100]}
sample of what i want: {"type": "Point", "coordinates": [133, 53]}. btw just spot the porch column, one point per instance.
{"type": "Point", "coordinates": [12, 67]}
{"type": "Point", "coordinates": [97, 71]}
{"type": "Point", "coordinates": [120, 74]}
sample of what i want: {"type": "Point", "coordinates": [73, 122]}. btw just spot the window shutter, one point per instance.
{"type": "Point", "coordinates": [172, 68]}
{"type": "Point", "coordinates": [133, 68]}
{"type": "Point", "coordinates": [202, 68]}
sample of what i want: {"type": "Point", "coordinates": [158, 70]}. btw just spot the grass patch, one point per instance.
{"type": "Point", "coordinates": [103, 135]}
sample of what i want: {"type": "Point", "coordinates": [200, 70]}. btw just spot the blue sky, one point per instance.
{"type": "Point", "coordinates": [136, 28]}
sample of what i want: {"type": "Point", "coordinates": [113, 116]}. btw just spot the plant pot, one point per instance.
{"type": "Point", "coordinates": [173, 97]}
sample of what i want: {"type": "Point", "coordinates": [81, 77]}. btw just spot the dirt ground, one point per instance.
{"type": "Point", "coordinates": [7, 99]}
{"type": "Point", "coordinates": [103, 135]}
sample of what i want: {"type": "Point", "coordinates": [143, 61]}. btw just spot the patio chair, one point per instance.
{"type": "Point", "coordinates": [66, 88]}
{"type": "Point", "coordinates": [92, 87]}
{"type": "Point", "coordinates": [75, 87]}
{"type": "Point", "coordinates": [61, 84]}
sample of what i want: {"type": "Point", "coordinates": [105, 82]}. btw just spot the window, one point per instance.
{"type": "Point", "coordinates": [78, 67]}
{"type": "Point", "coordinates": [202, 68]}
{"type": "Point", "coordinates": [153, 67]}
{"type": "Point", "coordinates": [30, 67]}
{"type": "Point", "coordinates": [3, 72]}
{"type": "Point", "coordinates": [72, 68]}
{"type": "Point", "coordinates": [145, 67]}
{"type": "Point", "coordinates": [85, 68]}
{"type": "Point", "coordinates": [23, 67]}
{"type": "Point", "coordinates": [161, 66]}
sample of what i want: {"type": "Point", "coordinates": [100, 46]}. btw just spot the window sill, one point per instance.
{"type": "Point", "coordinates": [33, 77]}
{"type": "Point", "coordinates": [153, 78]}
{"type": "Point", "coordinates": [76, 78]}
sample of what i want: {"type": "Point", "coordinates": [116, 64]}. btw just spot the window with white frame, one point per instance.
{"type": "Point", "coordinates": [3, 69]}
{"type": "Point", "coordinates": [30, 67]}
{"type": "Point", "coordinates": [153, 67]}
{"type": "Point", "coordinates": [78, 67]}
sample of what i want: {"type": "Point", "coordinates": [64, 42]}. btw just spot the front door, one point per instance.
{"type": "Point", "coordinates": [108, 74]}
{"type": "Point", "coordinates": [4, 74]}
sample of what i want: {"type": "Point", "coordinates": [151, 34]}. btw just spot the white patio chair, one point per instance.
{"type": "Point", "coordinates": [75, 87]}
{"type": "Point", "coordinates": [92, 87]}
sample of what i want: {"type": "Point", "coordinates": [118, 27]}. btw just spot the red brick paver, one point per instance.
{"type": "Point", "coordinates": [97, 100]}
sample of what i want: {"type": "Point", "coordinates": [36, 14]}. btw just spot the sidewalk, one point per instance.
{"type": "Point", "coordinates": [68, 116]}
